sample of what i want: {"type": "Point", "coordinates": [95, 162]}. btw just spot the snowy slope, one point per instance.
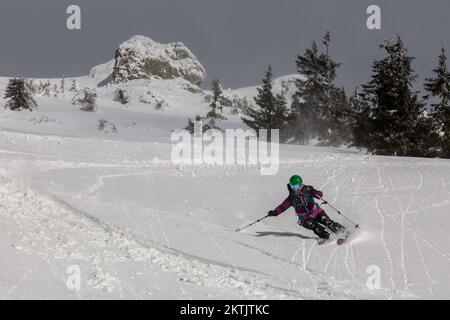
{"type": "Point", "coordinates": [141, 227]}
{"type": "Point", "coordinates": [136, 225]}
{"type": "Point", "coordinates": [136, 120]}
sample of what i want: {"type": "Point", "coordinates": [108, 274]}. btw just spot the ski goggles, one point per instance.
{"type": "Point", "coordinates": [296, 187]}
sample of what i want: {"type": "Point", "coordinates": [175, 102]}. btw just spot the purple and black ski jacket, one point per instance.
{"type": "Point", "coordinates": [303, 202]}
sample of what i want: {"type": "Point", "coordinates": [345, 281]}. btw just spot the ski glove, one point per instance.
{"type": "Point", "coordinates": [272, 213]}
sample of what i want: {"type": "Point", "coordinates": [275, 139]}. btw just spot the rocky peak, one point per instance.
{"type": "Point", "coordinates": [142, 58]}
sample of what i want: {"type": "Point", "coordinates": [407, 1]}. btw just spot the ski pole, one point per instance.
{"type": "Point", "coordinates": [239, 229]}
{"type": "Point", "coordinates": [332, 207]}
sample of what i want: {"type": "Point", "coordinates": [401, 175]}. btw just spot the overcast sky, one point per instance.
{"type": "Point", "coordinates": [235, 40]}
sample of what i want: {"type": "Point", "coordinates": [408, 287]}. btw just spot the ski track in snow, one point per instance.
{"type": "Point", "coordinates": [290, 267]}
{"type": "Point", "coordinates": [164, 260]}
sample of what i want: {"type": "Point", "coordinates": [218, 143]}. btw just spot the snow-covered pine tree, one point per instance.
{"type": "Point", "coordinates": [40, 87]}
{"type": "Point", "coordinates": [391, 114]}
{"type": "Point", "coordinates": [122, 96]}
{"type": "Point", "coordinates": [330, 65]}
{"type": "Point", "coordinates": [310, 90]}
{"type": "Point", "coordinates": [62, 86]}
{"type": "Point", "coordinates": [335, 115]}
{"type": "Point", "coordinates": [271, 112]}
{"type": "Point", "coordinates": [317, 96]}
{"type": "Point", "coordinates": [32, 86]}
{"type": "Point", "coordinates": [86, 98]}
{"type": "Point", "coordinates": [19, 95]}
{"type": "Point", "coordinates": [47, 88]}
{"type": "Point", "coordinates": [360, 120]}
{"type": "Point", "coordinates": [74, 86]}
{"type": "Point", "coordinates": [191, 124]}
{"type": "Point", "coordinates": [217, 92]}
{"type": "Point", "coordinates": [439, 88]}
{"type": "Point", "coordinates": [55, 90]}
{"type": "Point", "coordinates": [213, 116]}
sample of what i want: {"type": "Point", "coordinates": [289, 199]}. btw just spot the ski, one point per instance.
{"type": "Point", "coordinates": [340, 239]}
{"type": "Point", "coordinates": [343, 239]}
{"type": "Point", "coordinates": [322, 241]}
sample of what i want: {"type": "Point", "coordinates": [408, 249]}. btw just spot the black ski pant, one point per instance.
{"type": "Point", "coordinates": [317, 225]}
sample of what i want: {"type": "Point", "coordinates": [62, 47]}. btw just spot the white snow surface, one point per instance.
{"type": "Point", "coordinates": [140, 227]}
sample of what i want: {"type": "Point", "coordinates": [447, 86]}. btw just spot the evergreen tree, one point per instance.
{"type": "Point", "coordinates": [316, 96]}
{"type": "Point", "coordinates": [86, 98]}
{"type": "Point", "coordinates": [19, 95]}
{"type": "Point", "coordinates": [74, 86]}
{"type": "Point", "coordinates": [337, 119]}
{"type": "Point", "coordinates": [391, 114]}
{"type": "Point", "coordinates": [191, 124]}
{"type": "Point", "coordinates": [330, 65]}
{"type": "Point", "coordinates": [123, 97]}
{"type": "Point", "coordinates": [40, 87]}
{"type": "Point", "coordinates": [47, 88]}
{"type": "Point", "coordinates": [270, 112]}
{"type": "Point", "coordinates": [55, 91]}
{"type": "Point", "coordinates": [62, 86]}
{"type": "Point", "coordinates": [336, 112]}
{"type": "Point", "coordinates": [213, 116]}
{"type": "Point", "coordinates": [439, 88]}
{"type": "Point", "coordinates": [359, 120]}
{"type": "Point", "coordinates": [217, 92]}
{"type": "Point", "coordinates": [31, 86]}
{"type": "Point", "coordinates": [310, 88]}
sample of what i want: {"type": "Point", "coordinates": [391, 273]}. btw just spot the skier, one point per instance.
{"type": "Point", "coordinates": [310, 214]}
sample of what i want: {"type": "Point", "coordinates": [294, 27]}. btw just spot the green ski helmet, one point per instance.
{"type": "Point", "coordinates": [296, 181]}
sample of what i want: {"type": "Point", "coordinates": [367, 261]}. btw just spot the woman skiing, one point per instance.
{"type": "Point", "coordinates": [310, 214]}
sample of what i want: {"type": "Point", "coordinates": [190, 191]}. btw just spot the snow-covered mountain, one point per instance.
{"type": "Point", "coordinates": [80, 199]}
{"type": "Point", "coordinates": [169, 91]}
